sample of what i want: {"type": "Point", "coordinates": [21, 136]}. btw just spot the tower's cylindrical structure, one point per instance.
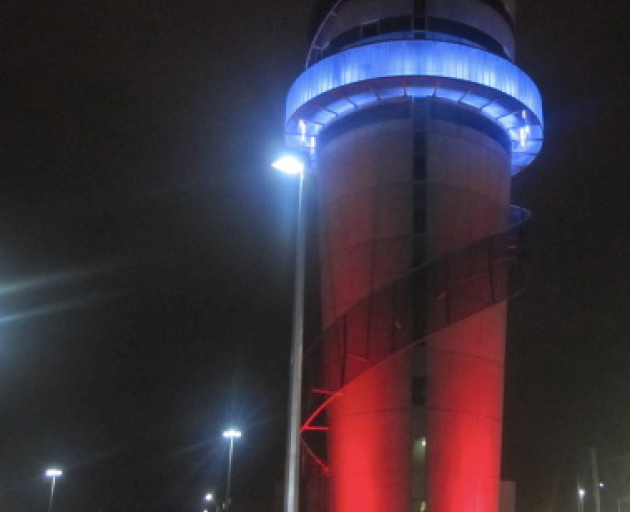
{"type": "Point", "coordinates": [416, 118]}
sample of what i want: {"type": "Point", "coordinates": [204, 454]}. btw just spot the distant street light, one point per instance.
{"type": "Point", "coordinates": [52, 473]}
{"type": "Point", "coordinates": [209, 498]}
{"type": "Point", "coordinates": [294, 165]}
{"type": "Point", "coordinates": [581, 494]}
{"type": "Point", "coordinates": [230, 434]}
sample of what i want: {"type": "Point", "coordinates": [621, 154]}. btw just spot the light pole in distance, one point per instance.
{"type": "Point", "coordinates": [53, 474]}
{"type": "Point", "coordinates": [230, 434]}
{"type": "Point", "coordinates": [581, 494]}
{"type": "Point", "coordinates": [209, 499]}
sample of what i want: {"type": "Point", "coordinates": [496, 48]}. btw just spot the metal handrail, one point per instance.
{"type": "Point", "coordinates": [443, 291]}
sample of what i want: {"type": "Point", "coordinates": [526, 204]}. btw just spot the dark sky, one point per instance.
{"type": "Point", "coordinates": [146, 251]}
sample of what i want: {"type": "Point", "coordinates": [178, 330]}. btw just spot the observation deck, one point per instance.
{"type": "Point", "coordinates": [354, 64]}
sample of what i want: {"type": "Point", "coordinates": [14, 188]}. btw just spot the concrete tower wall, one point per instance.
{"type": "Point", "coordinates": [366, 243]}
{"type": "Point", "coordinates": [374, 173]}
{"type": "Point", "coordinates": [365, 203]}
{"type": "Point", "coordinates": [470, 180]}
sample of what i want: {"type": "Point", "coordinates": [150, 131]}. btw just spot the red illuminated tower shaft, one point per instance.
{"type": "Point", "coordinates": [381, 202]}
{"type": "Point", "coordinates": [416, 119]}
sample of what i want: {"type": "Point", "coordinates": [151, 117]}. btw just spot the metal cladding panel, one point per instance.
{"type": "Point", "coordinates": [465, 395]}
{"type": "Point", "coordinates": [512, 121]}
{"type": "Point", "coordinates": [421, 91]}
{"type": "Point", "coordinates": [391, 92]}
{"type": "Point", "coordinates": [450, 94]}
{"type": "Point", "coordinates": [365, 243]}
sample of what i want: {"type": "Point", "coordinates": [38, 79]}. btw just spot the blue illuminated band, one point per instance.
{"type": "Point", "coordinates": [394, 70]}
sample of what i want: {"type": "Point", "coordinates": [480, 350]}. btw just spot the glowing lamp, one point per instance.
{"type": "Point", "coordinates": [289, 164]}
{"type": "Point", "coordinates": [232, 434]}
{"type": "Point", "coordinates": [52, 473]}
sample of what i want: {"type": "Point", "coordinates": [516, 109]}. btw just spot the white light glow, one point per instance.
{"type": "Point", "coordinates": [53, 472]}
{"type": "Point", "coordinates": [232, 433]}
{"type": "Point", "coordinates": [289, 164]}
{"type": "Point", "coordinates": [208, 497]}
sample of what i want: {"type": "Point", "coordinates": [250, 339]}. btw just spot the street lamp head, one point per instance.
{"type": "Point", "coordinates": [208, 497]}
{"type": "Point", "coordinates": [53, 473]}
{"type": "Point", "coordinates": [289, 164]}
{"type": "Point", "coordinates": [581, 492]}
{"type": "Point", "coordinates": [232, 433]}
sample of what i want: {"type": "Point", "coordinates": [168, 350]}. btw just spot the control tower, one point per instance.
{"type": "Point", "coordinates": [415, 118]}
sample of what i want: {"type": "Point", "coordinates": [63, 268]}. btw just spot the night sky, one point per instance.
{"type": "Point", "coordinates": [146, 251]}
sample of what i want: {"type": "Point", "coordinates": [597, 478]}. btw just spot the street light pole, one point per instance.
{"type": "Point", "coordinates": [596, 482]}
{"type": "Point", "coordinates": [230, 434]}
{"type": "Point", "coordinates": [52, 473]}
{"type": "Point", "coordinates": [581, 494]}
{"type": "Point", "coordinates": [209, 498]}
{"type": "Point", "coordinates": [291, 165]}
